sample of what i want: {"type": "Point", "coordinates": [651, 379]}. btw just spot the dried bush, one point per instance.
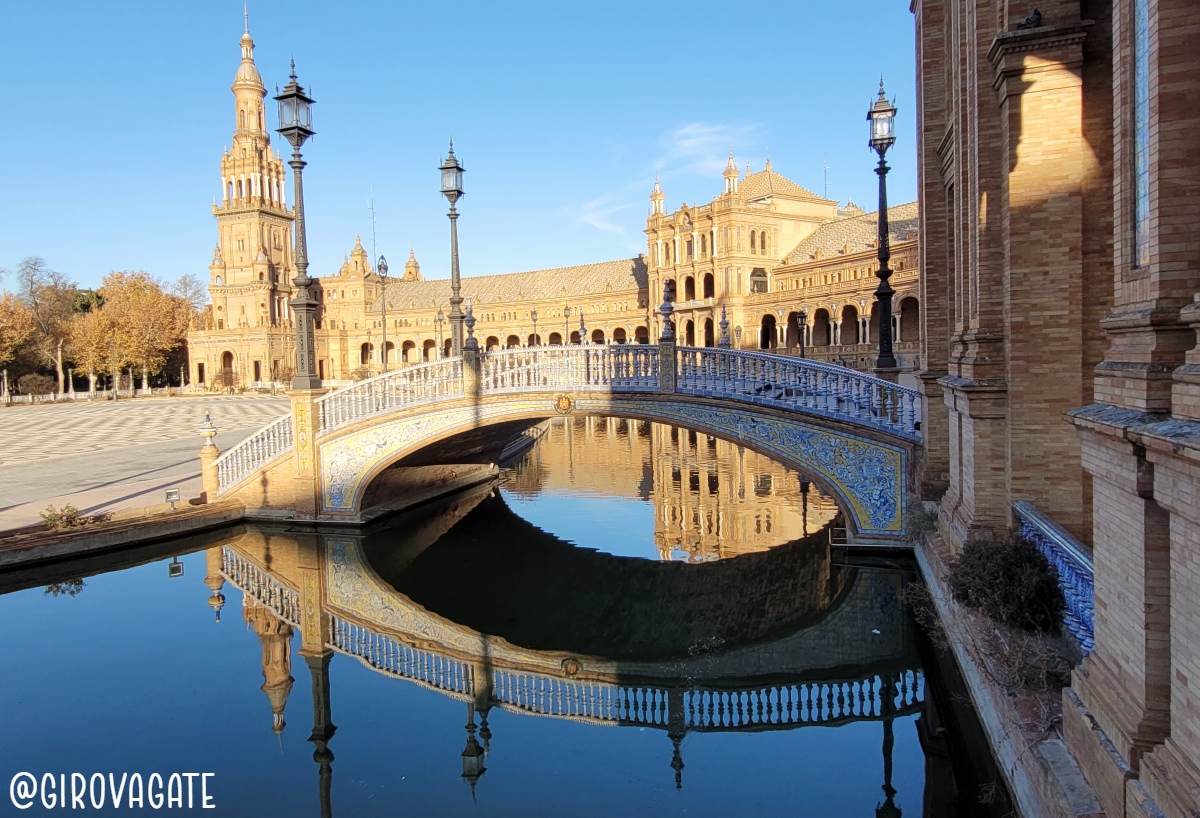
{"type": "Point", "coordinates": [1010, 582]}
{"type": "Point", "coordinates": [36, 384]}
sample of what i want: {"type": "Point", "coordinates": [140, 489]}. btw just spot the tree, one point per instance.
{"type": "Point", "coordinates": [147, 322]}
{"type": "Point", "coordinates": [50, 298]}
{"type": "Point", "coordinates": [16, 325]}
{"type": "Point", "coordinates": [91, 343]}
{"type": "Point", "coordinates": [191, 290]}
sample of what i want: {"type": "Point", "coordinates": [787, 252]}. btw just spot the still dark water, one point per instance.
{"type": "Point", "coordinates": [635, 621]}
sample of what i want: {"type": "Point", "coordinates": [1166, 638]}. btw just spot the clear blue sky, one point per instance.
{"type": "Point", "coordinates": [115, 115]}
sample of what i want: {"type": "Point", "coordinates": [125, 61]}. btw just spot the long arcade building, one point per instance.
{"type": "Point", "coordinates": [766, 250]}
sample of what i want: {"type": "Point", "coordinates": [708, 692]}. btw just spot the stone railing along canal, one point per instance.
{"type": "Point", "coordinates": [1073, 561]}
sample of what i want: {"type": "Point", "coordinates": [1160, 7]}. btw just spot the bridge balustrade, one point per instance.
{"type": "Point", "coordinates": [616, 368]}
{"type": "Point", "coordinates": [798, 384]}
{"type": "Point", "coordinates": [260, 448]}
{"type": "Point", "coordinates": [408, 386]}
{"type": "Point", "coordinates": [394, 658]}
{"type": "Point", "coordinates": [261, 586]}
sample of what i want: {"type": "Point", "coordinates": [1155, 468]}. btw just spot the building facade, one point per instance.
{"type": "Point", "coordinates": [1060, 266]}
{"type": "Point", "coordinates": [765, 250]}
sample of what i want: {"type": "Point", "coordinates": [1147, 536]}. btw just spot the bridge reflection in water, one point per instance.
{"type": "Point", "coordinates": [789, 637]}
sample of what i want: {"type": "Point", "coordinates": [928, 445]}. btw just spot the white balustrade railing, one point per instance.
{"type": "Point", "coordinates": [407, 386]}
{"type": "Point", "coordinates": [799, 384]}
{"type": "Point", "coordinates": [609, 368]}
{"type": "Point", "coordinates": [588, 701]}
{"type": "Point", "coordinates": [261, 586]}
{"type": "Point", "coordinates": [254, 452]}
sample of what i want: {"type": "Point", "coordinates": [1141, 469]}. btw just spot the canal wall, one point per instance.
{"type": "Point", "coordinates": [1044, 779]}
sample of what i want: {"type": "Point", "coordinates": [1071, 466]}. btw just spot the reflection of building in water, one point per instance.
{"type": "Point", "coordinates": [712, 498]}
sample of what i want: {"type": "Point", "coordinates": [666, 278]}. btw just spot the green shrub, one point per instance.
{"type": "Point", "coordinates": [1009, 581]}
{"type": "Point", "coordinates": [65, 517]}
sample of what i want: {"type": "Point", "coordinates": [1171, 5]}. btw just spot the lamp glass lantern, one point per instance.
{"type": "Point", "coordinates": [295, 112]}
{"type": "Point", "coordinates": [452, 177]}
{"type": "Point", "coordinates": [882, 117]}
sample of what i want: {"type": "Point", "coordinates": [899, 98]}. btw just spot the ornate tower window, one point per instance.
{"type": "Point", "coordinates": [1141, 133]}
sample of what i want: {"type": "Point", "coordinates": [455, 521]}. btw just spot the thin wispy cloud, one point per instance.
{"type": "Point", "coordinates": [598, 212]}
{"type": "Point", "coordinates": [702, 148]}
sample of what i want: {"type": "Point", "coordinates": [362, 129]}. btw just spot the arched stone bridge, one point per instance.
{"type": "Point", "coordinates": [855, 434]}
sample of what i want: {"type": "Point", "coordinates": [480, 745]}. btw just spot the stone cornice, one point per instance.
{"type": "Point", "coordinates": [1059, 46]}
{"type": "Point", "coordinates": [1154, 432]}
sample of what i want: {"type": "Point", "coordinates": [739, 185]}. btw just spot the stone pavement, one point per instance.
{"type": "Point", "coordinates": [102, 457]}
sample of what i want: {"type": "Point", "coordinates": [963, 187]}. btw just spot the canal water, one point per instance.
{"type": "Point", "coordinates": [635, 620]}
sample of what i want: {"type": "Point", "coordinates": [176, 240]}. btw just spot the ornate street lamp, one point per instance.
{"type": "Point", "coordinates": [567, 326]}
{"type": "Point", "coordinates": [295, 123]}
{"type": "Point", "coordinates": [533, 315]}
{"type": "Point", "coordinates": [381, 270]}
{"type": "Point", "coordinates": [801, 325]}
{"type": "Point", "coordinates": [439, 319]}
{"type": "Point", "coordinates": [452, 189]}
{"type": "Point", "coordinates": [882, 117]}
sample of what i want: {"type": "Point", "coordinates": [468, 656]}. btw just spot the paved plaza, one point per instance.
{"type": "Point", "coordinates": [101, 456]}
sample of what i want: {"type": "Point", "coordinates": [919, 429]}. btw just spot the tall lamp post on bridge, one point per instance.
{"type": "Point", "coordinates": [533, 315]}
{"type": "Point", "coordinates": [439, 319]}
{"type": "Point", "coordinates": [452, 189]}
{"type": "Point", "coordinates": [381, 271]}
{"type": "Point", "coordinates": [295, 123]}
{"type": "Point", "coordinates": [882, 117]}
{"type": "Point", "coordinates": [567, 325]}
{"type": "Point", "coordinates": [801, 326]}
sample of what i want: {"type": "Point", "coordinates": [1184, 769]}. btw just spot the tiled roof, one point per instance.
{"type": "Point", "coordinates": [858, 234]}
{"type": "Point", "coordinates": [583, 279]}
{"type": "Point", "coordinates": [768, 182]}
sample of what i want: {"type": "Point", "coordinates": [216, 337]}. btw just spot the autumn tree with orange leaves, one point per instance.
{"type": "Point", "coordinates": [146, 321]}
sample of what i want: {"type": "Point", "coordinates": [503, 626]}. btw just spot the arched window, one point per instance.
{"type": "Point", "coordinates": [752, 241]}
{"type": "Point", "coordinates": [239, 189]}
{"type": "Point", "coordinates": [242, 119]}
{"type": "Point", "coordinates": [229, 190]}
{"type": "Point", "coordinates": [704, 247]}
{"type": "Point", "coordinates": [218, 281]}
{"type": "Point", "coordinates": [763, 242]}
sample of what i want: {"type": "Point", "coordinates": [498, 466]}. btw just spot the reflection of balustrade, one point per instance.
{"type": "Point", "coordinates": [254, 452]}
{"type": "Point", "coordinates": [1073, 562]}
{"type": "Point", "coordinates": [261, 586]}
{"type": "Point", "coordinates": [801, 384]}
{"type": "Point", "coordinates": [387, 655]}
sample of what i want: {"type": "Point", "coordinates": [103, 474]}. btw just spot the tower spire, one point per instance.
{"type": "Point", "coordinates": [246, 15]}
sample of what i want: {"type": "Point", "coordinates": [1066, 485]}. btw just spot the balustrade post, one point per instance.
{"type": "Point", "coordinates": [209, 480]}
{"type": "Point", "coordinates": [306, 467]}
{"type": "Point", "coordinates": [471, 371]}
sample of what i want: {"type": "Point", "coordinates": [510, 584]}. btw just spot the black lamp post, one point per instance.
{"type": "Point", "coordinates": [882, 117]}
{"type": "Point", "coordinates": [439, 319]}
{"type": "Point", "coordinates": [381, 269]}
{"type": "Point", "coordinates": [801, 326]}
{"type": "Point", "coordinates": [567, 326]}
{"type": "Point", "coordinates": [295, 123]}
{"type": "Point", "coordinates": [533, 315]}
{"type": "Point", "coordinates": [452, 189]}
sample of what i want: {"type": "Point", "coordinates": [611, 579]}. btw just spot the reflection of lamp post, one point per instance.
{"type": "Point", "coordinates": [801, 327]}
{"type": "Point", "coordinates": [452, 189]}
{"type": "Point", "coordinates": [439, 319]}
{"type": "Point", "coordinates": [567, 326]}
{"type": "Point", "coordinates": [381, 270]}
{"type": "Point", "coordinates": [295, 123]}
{"type": "Point", "coordinates": [472, 755]}
{"type": "Point", "coordinates": [882, 117]}
{"type": "Point", "coordinates": [533, 315]}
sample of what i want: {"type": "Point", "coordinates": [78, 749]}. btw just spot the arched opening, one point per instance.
{"type": "Point", "coordinates": [239, 189]}
{"type": "Point", "coordinates": [703, 246]}
{"type": "Point", "coordinates": [753, 242]}
{"type": "Point", "coordinates": [762, 242]}
{"type": "Point", "coordinates": [689, 333]}
{"type": "Point", "coordinates": [447, 345]}
{"type": "Point", "coordinates": [669, 289]}
{"type": "Point", "coordinates": [910, 320]}
{"type": "Point", "coordinates": [229, 190]}
{"type": "Point", "coordinates": [575, 337]}
{"type": "Point", "coordinates": [366, 354]}
{"type": "Point", "coordinates": [619, 336]}
{"type": "Point", "coordinates": [597, 336]}
{"type": "Point", "coordinates": [492, 343]}
{"type": "Point", "coordinates": [242, 119]}
{"type": "Point", "coordinates": [821, 329]}
{"type": "Point", "coordinates": [554, 339]}
{"type": "Point", "coordinates": [709, 290]}
{"type": "Point", "coordinates": [641, 335]}
{"type": "Point", "coordinates": [766, 333]}
{"type": "Point", "coordinates": [429, 350]}
{"type": "Point", "coordinates": [791, 331]}
{"type": "Point", "coordinates": [512, 342]}
{"type": "Point", "coordinates": [227, 361]}
{"type": "Point", "coordinates": [533, 340]}
{"type": "Point", "coordinates": [409, 350]}
{"type": "Point", "coordinates": [758, 280]}
{"type": "Point", "coordinates": [849, 330]}
{"type": "Point", "coordinates": [389, 352]}
{"type": "Point", "coordinates": [689, 289]}
{"type": "Point", "coordinates": [874, 332]}
{"type": "Point", "coordinates": [709, 341]}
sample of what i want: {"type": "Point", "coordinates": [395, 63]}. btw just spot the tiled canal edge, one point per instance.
{"type": "Point", "coordinates": [1044, 779]}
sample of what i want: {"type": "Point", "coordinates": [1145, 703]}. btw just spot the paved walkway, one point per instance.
{"type": "Point", "coordinates": [103, 456]}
